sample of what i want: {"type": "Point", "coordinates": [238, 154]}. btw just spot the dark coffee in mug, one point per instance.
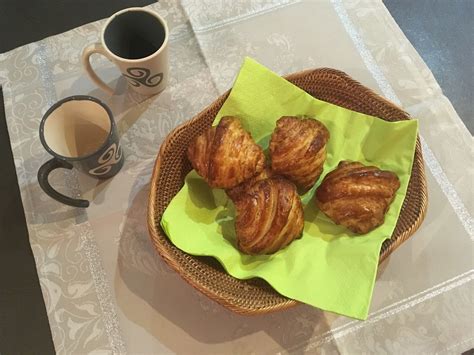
{"type": "Point", "coordinates": [134, 35]}
{"type": "Point", "coordinates": [136, 40]}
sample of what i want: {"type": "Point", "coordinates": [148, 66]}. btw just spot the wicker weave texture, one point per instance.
{"type": "Point", "coordinates": [255, 296]}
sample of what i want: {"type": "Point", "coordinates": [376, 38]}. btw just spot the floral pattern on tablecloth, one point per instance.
{"type": "Point", "coordinates": [105, 288]}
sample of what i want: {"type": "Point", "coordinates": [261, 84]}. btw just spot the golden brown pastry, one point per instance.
{"type": "Point", "coordinates": [357, 196]}
{"type": "Point", "coordinates": [239, 190]}
{"type": "Point", "coordinates": [269, 216]}
{"type": "Point", "coordinates": [226, 155]}
{"type": "Point", "coordinates": [298, 149]}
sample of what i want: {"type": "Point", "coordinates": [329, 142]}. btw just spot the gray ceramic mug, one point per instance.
{"type": "Point", "coordinates": [79, 131]}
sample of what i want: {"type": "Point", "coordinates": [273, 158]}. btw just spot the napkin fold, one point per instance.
{"type": "Point", "coordinates": [329, 267]}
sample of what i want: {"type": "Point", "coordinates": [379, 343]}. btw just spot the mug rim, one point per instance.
{"type": "Point", "coordinates": [137, 9]}
{"type": "Point", "coordinates": [56, 106]}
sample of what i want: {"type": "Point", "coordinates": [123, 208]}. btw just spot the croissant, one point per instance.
{"type": "Point", "coordinates": [357, 196]}
{"type": "Point", "coordinates": [298, 149]}
{"type": "Point", "coordinates": [226, 155]}
{"type": "Point", "coordinates": [239, 190]}
{"type": "Point", "coordinates": [269, 216]}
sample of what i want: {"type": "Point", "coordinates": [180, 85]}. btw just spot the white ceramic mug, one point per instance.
{"type": "Point", "coordinates": [136, 40]}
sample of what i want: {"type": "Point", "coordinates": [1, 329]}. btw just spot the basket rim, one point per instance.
{"type": "Point", "coordinates": [155, 230]}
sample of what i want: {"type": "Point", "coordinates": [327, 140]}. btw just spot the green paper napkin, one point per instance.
{"type": "Point", "coordinates": [329, 267]}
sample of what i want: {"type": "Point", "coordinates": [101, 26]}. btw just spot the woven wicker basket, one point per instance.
{"type": "Point", "coordinates": [255, 296]}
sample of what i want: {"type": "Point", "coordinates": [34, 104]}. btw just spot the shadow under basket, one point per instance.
{"type": "Point", "coordinates": [255, 296]}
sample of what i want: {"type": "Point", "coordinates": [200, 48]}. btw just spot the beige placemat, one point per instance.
{"type": "Point", "coordinates": [104, 287]}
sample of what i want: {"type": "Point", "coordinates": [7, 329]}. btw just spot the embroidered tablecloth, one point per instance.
{"type": "Point", "coordinates": [105, 288]}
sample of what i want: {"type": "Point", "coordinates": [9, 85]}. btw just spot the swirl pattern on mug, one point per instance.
{"type": "Point", "coordinates": [106, 161]}
{"type": "Point", "coordinates": [142, 76]}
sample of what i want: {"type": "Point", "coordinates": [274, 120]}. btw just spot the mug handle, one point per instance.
{"type": "Point", "coordinates": [86, 54]}
{"type": "Point", "coordinates": [43, 174]}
